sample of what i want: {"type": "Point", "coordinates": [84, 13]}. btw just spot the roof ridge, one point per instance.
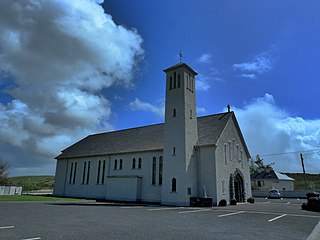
{"type": "Point", "coordinates": [151, 125]}
{"type": "Point", "coordinates": [126, 129]}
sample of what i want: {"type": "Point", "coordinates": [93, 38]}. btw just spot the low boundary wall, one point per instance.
{"type": "Point", "coordinates": [284, 194]}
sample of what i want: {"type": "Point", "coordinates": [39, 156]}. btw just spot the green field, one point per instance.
{"type": "Point", "coordinates": [313, 180]}
{"type": "Point", "coordinates": [32, 183]}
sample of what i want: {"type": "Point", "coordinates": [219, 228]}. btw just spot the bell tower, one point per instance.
{"type": "Point", "coordinates": [180, 135]}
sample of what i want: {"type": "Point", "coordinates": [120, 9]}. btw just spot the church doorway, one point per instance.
{"type": "Point", "coordinates": [237, 190]}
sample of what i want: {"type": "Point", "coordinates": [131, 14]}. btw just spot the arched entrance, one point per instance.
{"type": "Point", "coordinates": [237, 189]}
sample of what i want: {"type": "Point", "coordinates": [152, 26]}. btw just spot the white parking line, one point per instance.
{"type": "Point", "coordinates": [288, 203]}
{"type": "Point", "coordinates": [273, 219]}
{"type": "Point", "coordinates": [229, 214]}
{"type": "Point", "coordinates": [128, 207]}
{"type": "Point", "coordinates": [163, 208]}
{"type": "Point", "coordinates": [6, 227]}
{"type": "Point", "coordinates": [36, 238]}
{"type": "Point", "coordinates": [194, 211]}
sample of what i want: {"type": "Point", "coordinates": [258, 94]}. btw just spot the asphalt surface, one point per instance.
{"type": "Point", "coordinates": [266, 219]}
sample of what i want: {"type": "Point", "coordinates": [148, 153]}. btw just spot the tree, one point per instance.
{"type": "Point", "coordinates": [260, 166]}
{"type": "Point", "coordinates": [4, 167]}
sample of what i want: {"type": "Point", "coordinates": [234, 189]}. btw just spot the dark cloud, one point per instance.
{"type": "Point", "coordinates": [57, 56]}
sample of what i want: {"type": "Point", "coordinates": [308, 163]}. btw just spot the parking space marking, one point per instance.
{"type": "Point", "coordinates": [273, 219]}
{"type": "Point", "coordinates": [194, 211]}
{"type": "Point", "coordinates": [288, 203]}
{"type": "Point", "coordinates": [129, 207]}
{"type": "Point", "coordinates": [35, 238]}
{"type": "Point", "coordinates": [6, 227]}
{"type": "Point", "coordinates": [164, 208]}
{"type": "Point", "coordinates": [229, 214]}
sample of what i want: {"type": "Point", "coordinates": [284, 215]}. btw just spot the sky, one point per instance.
{"type": "Point", "coordinates": [73, 68]}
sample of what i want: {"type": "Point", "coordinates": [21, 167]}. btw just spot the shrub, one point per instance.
{"type": "Point", "coordinates": [222, 203]}
{"type": "Point", "coordinates": [233, 201]}
{"type": "Point", "coordinates": [250, 200]}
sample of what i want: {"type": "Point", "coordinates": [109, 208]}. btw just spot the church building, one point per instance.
{"type": "Point", "coordinates": [185, 157]}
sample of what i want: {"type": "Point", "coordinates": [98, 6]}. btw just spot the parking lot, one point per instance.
{"type": "Point", "coordinates": [266, 219]}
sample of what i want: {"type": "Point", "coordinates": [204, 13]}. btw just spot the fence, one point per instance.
{"type": "Point", "coordinates": [10, 190]}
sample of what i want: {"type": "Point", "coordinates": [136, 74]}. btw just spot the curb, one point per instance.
{"type": "Point", "coordinates": [315, 235]}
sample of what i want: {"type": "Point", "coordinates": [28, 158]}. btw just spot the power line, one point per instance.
{"type": "Point", "coordinates": [309, 152]}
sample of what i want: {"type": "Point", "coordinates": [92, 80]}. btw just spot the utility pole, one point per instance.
{"type": "Point", "coordinates": [304, 172]}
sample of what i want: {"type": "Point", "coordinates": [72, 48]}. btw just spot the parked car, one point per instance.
{"type": "Point", "coordinates": [274, 193]}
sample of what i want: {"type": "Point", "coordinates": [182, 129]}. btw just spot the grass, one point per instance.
{"type": "Point", "coordinates": [313, 181]}
{"type": "Point", "coordinates": [30, 183]}
{"type": "Point", "coordinates": [37, 198]}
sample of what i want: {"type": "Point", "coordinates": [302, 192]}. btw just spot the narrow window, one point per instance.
{"type": "Point", "coordinates": [241, 159]}
{"type": "Point", "coordinates": [133, 163]}
{"type": "Point", "coordinates": [174, 112]}
{"type": "Point", "coordinates": [233, 149]}
{"type": "Point", "coordinates": [178, 80]}
{"type": "Point", "coordinates": [99, 169]}
{"type": "Point", "coordinates": [120, 164]}
{"type": "Point", "coordinates": [170, 83]}
{"type": "Point", "coordinates": [174, 151]}
{"type": "Point", "coordinates": [115, 166]}
{"type": "Point", "coordinates": [71, 171]}
{"type": "Point", "coordinates": [223, 186]}
{"type": "Point", "coordinates": [154, 162]}
{"type": "Point", "coordinates": [225, 154]}
{"type": "Point", "coordinates": [173, 185]}
{"type": "Point", "coordinates": [174, 80]}
{"type": "Point", "coordinates": [88, 173]}
{"type": "Point", "coordinates": [84, 171]}
{"type": "Point", "coordinates": [74, 173]}
{"type": "Point", "coordinates": [190, 113]}
{"type": "Point", "coordinates": [139, 163]}
{"type": "Point", "coordinates": [238, 153]}
{"type": "Point", "coordinates": [192, 84]}
{"type": "Point", "coordinates": [230, 157]}
{"type": "Point", "coordinates": [103, 170]}
{"type": "Point", "coordinates": [188, 81]}
{"type": "Point", "coordinates": [189, 191]}
{"type": "Point", "coordinates": [160, 169]}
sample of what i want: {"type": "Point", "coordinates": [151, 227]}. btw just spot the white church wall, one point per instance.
{"type": "Point", "coordinates": [124, 188]}
{"type": "Point", "coordinates": [82, 177]}
{"type": "Point", "coordinates": [150, 191]}
{"type": "Point", "coordinates": [60, 178]}
{"type": "Point", "coordinates": [207, 168]}
{"type": "Point", "coordinates": [231, 156]}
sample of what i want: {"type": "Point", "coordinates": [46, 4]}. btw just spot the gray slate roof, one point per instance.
{"type": "Point", "coordinates": [270, 175]}
{"type": "Point", "coordinates": [143, 138]}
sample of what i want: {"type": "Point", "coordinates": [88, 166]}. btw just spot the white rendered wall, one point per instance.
{"type": "Point", "coordinates": [235, 158]}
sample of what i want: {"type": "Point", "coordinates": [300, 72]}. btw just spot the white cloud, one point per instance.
{"type": "Point", "coordinates": [201, 111]}
{"type": "Point", "coordinates": [205, 58]}
{"type": "Point", "coordinates": [138, 105]}
{"type": "Point", "coordinates": [202, 83]}
{"type": "Point", "coordinates": [261, 64]}
{"type": "Point", "coordinates": [57, 57]}
{"type": "Point", "coordinates": [271, 130]}
{"type": "Point", "coordinates": [248, 75]}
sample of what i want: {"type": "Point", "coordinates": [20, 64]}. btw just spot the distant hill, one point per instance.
{"type": "Point", "coordinates": [313, 181]}
{"type": "Point", "coordinates": [31, 183]}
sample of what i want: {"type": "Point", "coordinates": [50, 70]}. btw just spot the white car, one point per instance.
{"type": "Point", "coordinates": [274, 193]}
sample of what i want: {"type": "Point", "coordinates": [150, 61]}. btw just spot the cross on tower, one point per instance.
{"type": "Point", "coordinates": [180, 55]}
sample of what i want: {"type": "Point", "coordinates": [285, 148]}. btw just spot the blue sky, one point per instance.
{"type": "Point", "coordinates": [69, 69]}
